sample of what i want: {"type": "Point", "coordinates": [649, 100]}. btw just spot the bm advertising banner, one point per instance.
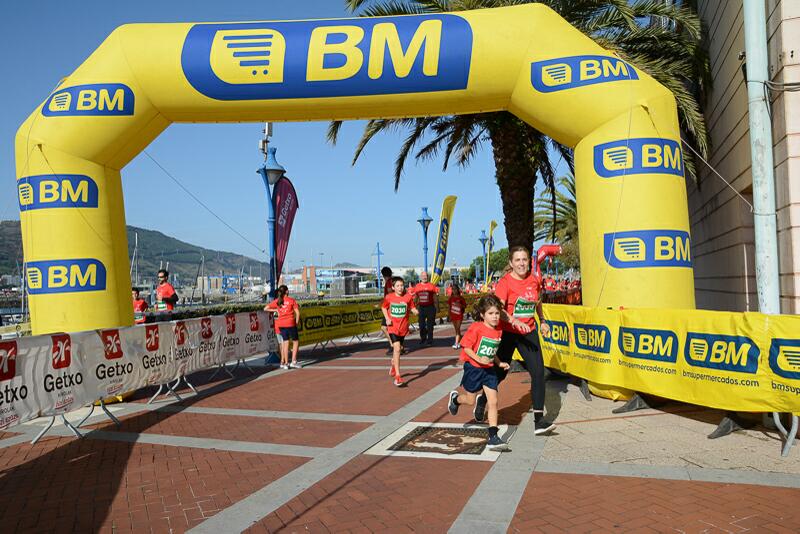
{"type": "Point", "coordinates": [731, 361]}
{"type": "Point", "coordinates": [445, 223]}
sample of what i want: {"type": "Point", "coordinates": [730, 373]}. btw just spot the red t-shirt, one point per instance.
{"type": "Point", "coordinates": [399, 308]}
{"type": "Point", "coordinates": [387, 287]}
{"type": "Point", "coordinates": [457, 305]}
{"type": "Point", "coordinates": [285, 313]}
{"type": "Point", "coordinates": [483, 340]}
{"type": "Point", "coordinates": [139, 307]}
{"type": "Point", "coordinates": [426, 293]}
{"type": "Point", "coordinates": [520, 297]}
{"type": "Point", "coordinates": [164, 291]}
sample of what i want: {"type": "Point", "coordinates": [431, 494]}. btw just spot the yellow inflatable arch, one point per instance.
{"type": "Point", "coordinates": [525, 59]}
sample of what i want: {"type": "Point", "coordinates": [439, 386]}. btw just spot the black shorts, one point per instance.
{"type": "Point", "coordinates": [395, 338]}
{"type": "Point", "coordinates": [289, 333]}
{"type": "Point", "coordinates": [476, 377]}
{"type": "Point", "coordinates": [383, 321]}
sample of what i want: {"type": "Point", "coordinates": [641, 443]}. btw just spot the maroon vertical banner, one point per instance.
{"type": "Point", "coordinates": [286, 206]}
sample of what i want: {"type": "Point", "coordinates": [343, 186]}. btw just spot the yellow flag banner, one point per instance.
{"type": "Point", "coordinates": [445, 223]}
{"type": "Point", "coordinates": [731, 361]}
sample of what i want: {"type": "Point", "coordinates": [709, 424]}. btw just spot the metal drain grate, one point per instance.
{"type": "Point", "coordinates": [443, 440]}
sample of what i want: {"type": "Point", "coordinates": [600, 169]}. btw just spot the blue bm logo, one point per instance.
{"type": "Point", "coordinates": [56, 191]}
{"type": "Point", "coordinates": [784, 358]}
{"type": "Point", "coordinates": [593, 337]}
{"type": "Point", "coordinates": [647, 248]}
{"type": "Point", "coordinates": [91, 99]}
{"type": "Point", "coordinates": [658, 345]}
{"type": "Point", "coordinates": [723, 352]}
{"type": "Point", "coordinates": [576, 71]}
{"type": "Point", "coordinates": [558, 335]}
{"type": "Point", "coordinates": [644, 155]}
{"type": "Point", "coordinates": [65, 276]}
{"type": "Point", "coordinates": [441, 246]}
{"type": "Point", "coordinates": [310, 59]}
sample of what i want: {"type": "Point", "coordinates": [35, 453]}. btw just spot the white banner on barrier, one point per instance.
{"type": "Point", "coordinates": [57, 373]}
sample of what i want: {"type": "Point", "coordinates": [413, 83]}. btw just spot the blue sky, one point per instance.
{"type": "Point", "coordinates": [343, 209]}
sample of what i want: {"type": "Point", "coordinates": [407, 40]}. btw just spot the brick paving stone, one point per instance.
{"type": "Point", "coordinates": [239, 428]}
{"type": "Point", "coordinates": [554, 498]}
{"type": "Point", "coordinates": [515, 401]}
{"type": "Point", "coordinates": [67, 484]}
{"type": "Point", "coordinates": [403, 494]}
{"type": "Point", "coordinates": [334, 391]}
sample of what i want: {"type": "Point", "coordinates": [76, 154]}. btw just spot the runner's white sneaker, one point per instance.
{"type": "Point", "coordinates": [295, 365]}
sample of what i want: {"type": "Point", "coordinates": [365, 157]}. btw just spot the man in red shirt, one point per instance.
{"type": "Point", "coordinates": [139, 306]}
{"type": "Point", "coordinates": [166, 297]}
{"type": "Point", "coordinates": [426, 295]}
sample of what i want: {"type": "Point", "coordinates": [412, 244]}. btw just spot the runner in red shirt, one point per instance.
{"type": "Point", "coordinates": [456, 305]}
{"type": "Point", "coordinates": [396, 308]}
{"type": "Point", "coordinates": [428, 303]}
{"type": "Point", "coordinates": [481, 366]}
{"type": "Point", "coordinates": [139, 306]}
{"type": "Point", "coordinates": [286, 324]}
{"type": "Point", "coordinates": [166, 297]}
{"type": "Point", "coordinates": [519, 291]}
{"type": "Point", "coordinates": [386, 273]}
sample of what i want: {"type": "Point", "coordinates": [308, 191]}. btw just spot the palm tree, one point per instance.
{"type": "Point", "coordinates": [660, 38]}
{"type": "Point", "coordinates": [557, 221]}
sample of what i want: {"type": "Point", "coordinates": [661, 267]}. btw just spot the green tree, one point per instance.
{"type": "Point", "coordinates": [411, 276]}
{"type": "Point", "coordinates": [556, 219]}
{"type": "Point", "coordinates": [663, 39]}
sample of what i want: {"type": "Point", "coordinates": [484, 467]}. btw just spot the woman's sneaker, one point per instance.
{"type": "Point", "coordinates": [391, 371]}
{"type": "Point", "coordinates": [497, 444]}
{"type": "Point", "coordinates": [452, 405]}
{"type": "Point", "coordinates": [284, 366]}
{"type": "Point", "coordinates": [479, 412]}
{"type": "Point", "coordinates": [543, 426]}
{"type": "Point", "coordinates": [295, 365]}
{"type": "Point", "coordinates": [399, 382]}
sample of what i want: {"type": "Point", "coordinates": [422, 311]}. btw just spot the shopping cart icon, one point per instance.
{"type": "Point", "coordinates": [617, 158]}
{"type": "Point", "coordinates": [628, 342]}
{"type": "Point", "coordinates": [557, 74]}
{"type": "Point", "coordinates": [698, 349]}
{"type": "Point", "coordinates": [60, 102]}
{"type": "Point", "coordinates": [25, 194]}
{"type": "Point", "coordinates": [630, 249]}
{"type": "Point", "coordinates": [34, 276]}
{"type": "Point", "coordinates": [248, 56]}
{"type": "Point", "coordinates": [789, 359]}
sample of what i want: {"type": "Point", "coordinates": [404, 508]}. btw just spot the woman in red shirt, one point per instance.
{"type": "Point", "coordinates": [520, 292]}
{"type": "Point", "coordinates": [286, 324]}
{"type": "Point", "coordinates": [456, 305]}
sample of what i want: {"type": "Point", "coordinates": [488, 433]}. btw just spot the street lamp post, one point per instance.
{"type": "Point", "coordinates": [424, 221]}
{"type": "Point", "coordinates": [271, 171]}
{"type": "Point", "coordinates": [483, 239]}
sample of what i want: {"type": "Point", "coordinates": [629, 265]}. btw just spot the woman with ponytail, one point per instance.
{"type": "Point", "coordinates": [286, 324]}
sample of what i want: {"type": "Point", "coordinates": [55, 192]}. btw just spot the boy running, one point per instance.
{"type": "Point", "coordinates": [456, 305]}
{"type": "Point", "coordinates": [479, 354]}
{"type": "Point", "coordinates": [396, 308]}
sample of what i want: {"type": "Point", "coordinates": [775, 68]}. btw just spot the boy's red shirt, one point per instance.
{"type": "Point", "coordinates": [399, 308]}
{"type": "Point", "coordinates": [483, 340]}
{"type": "Point", "coordinates": [520, 297]}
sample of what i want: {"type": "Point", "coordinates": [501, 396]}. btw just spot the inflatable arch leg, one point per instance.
{"type": "Point", "coordinates": [525, 59]}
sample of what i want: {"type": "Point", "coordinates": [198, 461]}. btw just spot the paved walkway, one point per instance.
{"type": "Point", "coordinates": [305, 451]}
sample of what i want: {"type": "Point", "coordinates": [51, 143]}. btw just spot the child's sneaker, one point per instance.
{"type": "Point", "coordinates": [399, 382]}
{"type": "Point", "coordinates": [455, 345]}
{"type": "Point", "coordinates": [452, 405]}
{"type": "Point", "coordinates": [391, 371]}
{"type": "Point", "coordinates": [284, 366]}
{"type": "Point", "coordinates": [496, 443]}
{"type": "Point", "coordinates": [479, 412]}
{"type": "Point", "coordinates": [295, 365]}
{"type": "Point", "coordinates": [543, 426]}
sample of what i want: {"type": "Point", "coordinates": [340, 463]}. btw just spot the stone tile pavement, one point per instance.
{"type": "Point", "coordinates": [283, 451]}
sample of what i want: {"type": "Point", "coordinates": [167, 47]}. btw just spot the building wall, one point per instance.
{"type": "Point", "coordinates": [722, 223]}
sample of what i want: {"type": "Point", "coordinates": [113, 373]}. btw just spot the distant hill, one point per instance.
{"type": "Point", "coordinates": [154, 247]}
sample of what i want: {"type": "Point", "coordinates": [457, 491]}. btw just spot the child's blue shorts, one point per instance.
{"type": "Point", "coordinates": [476, 377]}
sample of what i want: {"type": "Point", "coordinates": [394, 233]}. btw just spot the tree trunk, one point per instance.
{"type": "Point", "coordinates": [516, 178]}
